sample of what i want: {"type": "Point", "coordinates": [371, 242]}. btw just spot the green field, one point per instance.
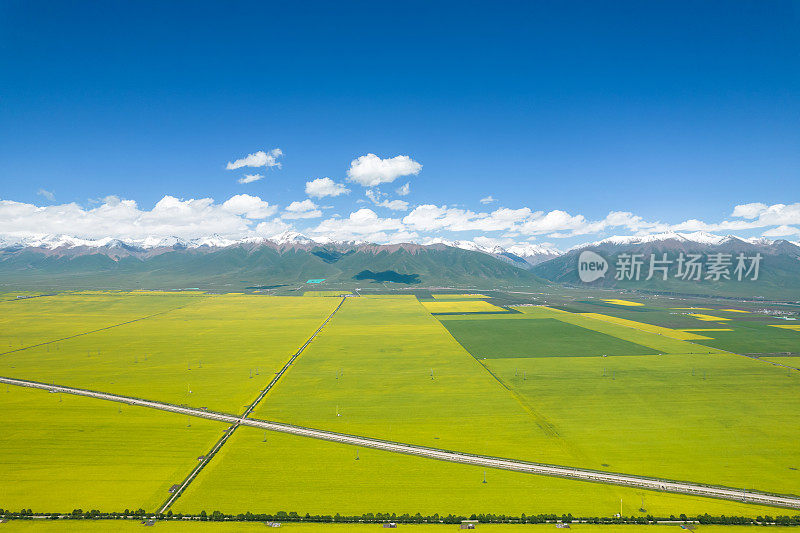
{"type": "Point", "coordinates": [289, 473]}
{"type": "Point", "coordinates": [547, 337]}
{"type": "Point", "coordinates": [61, 452]}
{"type": "Point", "coordinates": [223, 349]}
{"type": "Point", "coordinates": [374, 364]}
{"type": "Point", "coordinates": [720, 419]}
{"type": "Point", "coordinates": [751, 332]}
{"type": "Point", "coordinates": [35, 320]}
{"type": "Point", "coordinates": [385, 367]}
{"type": "Point", "coordinates": [755, 337]}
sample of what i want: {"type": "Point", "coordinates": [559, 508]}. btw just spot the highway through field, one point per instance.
{"type": "Point", "coordinates": [680, 487]}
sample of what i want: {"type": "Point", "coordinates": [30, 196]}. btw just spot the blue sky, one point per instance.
{"type": "Point", "coordinates": [670, 111]}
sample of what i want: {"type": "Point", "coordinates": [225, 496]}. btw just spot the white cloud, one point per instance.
{"type": "Point", "coordinates": [488, 200]}
{"type": "Point", "coordinates": [49, 195]}
{"type": "Point", "coordinates": [258, 159]}
{"type": "Point", "coordinates": [782, 231]}
{"type": "Point", "coordinates": [322, 187]}
{"type": "Point", "coordinates": [250, 178]}
{"type": "Point", "coordinates": [245, 215]}
{"type": "Point", "coordinates": [119, 218]}
{"type": "Point", "coordinates": [363, 225]}
{"type": "Point", "coordinates": [752, 216]}
{"type": "Point", "coordinates": [304, 209]}
{"type": "Point", "coordinates": [432, 218]}
{"type": "Point", "coordinates": [404, 190]}
{"type": "Point", "coordinates": [749, 210]}
{"type": "Point", "coordinates": [370, 170]}
{"type": "Point", "coordinates": [269, 228]}
{"type": "Point", "coordinates": [249, 206]}
{"type": "Point", "coordinates": [380, 199]}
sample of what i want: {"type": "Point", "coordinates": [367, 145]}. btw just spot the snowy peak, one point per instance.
{"type": "Point", "coordinates": [697, 237]}
{"type": "Point", "coordinates": [291, 237]}
{"type": "Point", "coordinates": [532, 250]}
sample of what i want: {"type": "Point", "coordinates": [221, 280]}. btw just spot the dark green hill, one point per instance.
{"type": "Point", "coordinates": [237, 267]}
{"type": "Point", "coordinates": [778, 278]}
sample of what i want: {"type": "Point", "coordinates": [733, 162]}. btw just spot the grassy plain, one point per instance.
{"type": "Point", "coordinates": [462, 306]}
{"type": "Point", "coordinates": [290, 473]}
{"type": "Point", "coordinates": [755, 337]}
{"type": "Point", "coordinates": [223, 349]}
{"type": "Point", "coordinates": [545, 337]}
{"type": "Point", "coordinates": [736, 419]}
{"type": "Point", "coordinates": [32, 321]}
{"type": "Point", "coordinates": [392, 371]}
{"type": "Point", "coordinates": [677, 334]}
{"type": "Point", "coordinates": [650, 415]}
{"type": "Point", "coordinates": [61, 452]}
{"type": "Point", "coordinates": [621, 330]}
{"type": "Point", "coordinates": [720, 419]}
{"type": "Point", "coordinates": [751, 332]}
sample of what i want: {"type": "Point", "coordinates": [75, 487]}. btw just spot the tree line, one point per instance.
{"type": "Point", "coordinates": [282, 516]}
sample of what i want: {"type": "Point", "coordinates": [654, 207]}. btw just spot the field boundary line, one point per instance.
{"type": "Point", "coordinates": [580, 474]}
{"type": "Point", "coordinates": [221, 442]}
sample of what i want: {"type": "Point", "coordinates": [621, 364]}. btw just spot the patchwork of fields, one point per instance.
{"type": "Point", "coordinates": [614, 385]}
{"type": "Point", "coordinates": [214, 352]}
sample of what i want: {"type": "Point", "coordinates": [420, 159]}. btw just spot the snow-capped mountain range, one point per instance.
{"type": "Point", "coordinates": [698, 237]}
{"type": "Point", "coordinates": [523, 254]}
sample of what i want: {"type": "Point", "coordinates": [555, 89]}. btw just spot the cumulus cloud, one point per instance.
{"type": "Point", "coordinates": [432, 218]}
{"type": "Point", "coordinates": [488, 200]}
{"type": "Point", "coordinates": [269, 228]}
{"type": "Point", "coordinates": [364, 225]}
{"type": "Point", "coordinates": [246, 215]}
{"type": "Point", "coordinates": [120, 218]}
{"type": "Point", "coordinates": [322, 187]}
{"type": "Point", "coordinates": [258, 159]}
{"type": "Point", "coordinates": [250, 178]}
{"type": "Point", "coordinates": [782, 231]}
{"type": "Point", "coordinates": [370, 170]}
{"type": "Point", "coordinates": [249, 206]}
{"type": "Point", "coordinates": [749, 210]}
{"type": "Point", "coordinates": [380, 199]}
{"type": "Point", "coordinates": [49, 195]}
{"type": "Point", "coordinates": [750, 216]}
{"type": "Point", "coordinates": [304, 209]}
{"type": "Point", "coordinates": [404, 190]}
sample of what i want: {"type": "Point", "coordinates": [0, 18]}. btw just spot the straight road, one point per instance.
{"type": "Point", "coordinates": [221, 442]}
{"type": "Point", "coordinates": [680, 487]}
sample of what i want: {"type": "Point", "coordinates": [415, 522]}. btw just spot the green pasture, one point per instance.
{"type": "Point", "coordinates": [215, 352]}
{"type": "Point", "coordinates": [545, 337]}
{"type": "Point", "coordinates": [32, 321]}
{"type": "Point", "coordinates": [660, 343]}
{"type": "Point", "coordinates": [719, 419]}
{"type": "Point", "coordinates": [793, 362]}
{"type": "Point", "coordinates": [62, 452]}
{"type": "Point", "coordinates": [390, 370]}
{"type": "Point", "coordinates": [751, 332]}
{"type": "Point", "coordinates": [755, 337]}
{"type": "Point", "coordinates": [291, 473]}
